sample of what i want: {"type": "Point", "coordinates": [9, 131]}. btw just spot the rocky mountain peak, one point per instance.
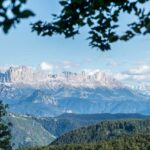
{"type": "Point", "coordinates": [28, 75]}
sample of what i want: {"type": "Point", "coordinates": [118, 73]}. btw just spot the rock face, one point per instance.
{"type": "Point", "coordinates": [22, 74]}
{"type": "Point", "coordinates": [27, 75]}
{"type": "Point", "coordinates": [28, 91]}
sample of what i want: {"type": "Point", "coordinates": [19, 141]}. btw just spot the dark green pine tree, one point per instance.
{"type": "Point", "coordinates": [5, 134]}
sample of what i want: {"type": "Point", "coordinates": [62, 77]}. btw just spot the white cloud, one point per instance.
{"type": "Point", "coordinates": [139, 74]}
{"type": "Point", "coordinates": [58, 67]}
{"type": "Point", "coordinates": [142, 69]}
{"type": "Point", "coordinates": [3, 68]}
{"type": "Point", "coordinates": [69, 64]}
{"type": "Point", "coordinates": [131, 77]}
{"type": "Point", "coordinates": [92, 71]}
{"type": "Point", "coordinates": [45, 66]}
{"type": "Point", "coordinates": [121, 76]}
{"type": "Point", "coordinates": [140, 77]}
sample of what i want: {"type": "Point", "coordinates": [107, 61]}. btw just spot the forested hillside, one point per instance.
{"type": "Point", "coordinates": [24, 128]}
{"type": "Point", "coordinates": [67, 122]}
{"type": "Point", "coordinates": [105, 130]}
{"type": "Point", "coordinates": [134, 142]}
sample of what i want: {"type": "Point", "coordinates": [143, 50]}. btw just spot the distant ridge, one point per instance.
{"type": "Point", "coordinates": [66, 122]}
{"type": "Point", "coordinates": [102, 116]}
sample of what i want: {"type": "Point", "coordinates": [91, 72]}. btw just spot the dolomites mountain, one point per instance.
{"type": "Point", "coordinates": [39, 93]}
{"type": "Point", "coordinates": [22, 74]}
{"type": "Point", "coordinates": [27, 75]}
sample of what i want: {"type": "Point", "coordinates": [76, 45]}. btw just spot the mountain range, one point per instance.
{"type": "Point", "coordinates": [39, 93]}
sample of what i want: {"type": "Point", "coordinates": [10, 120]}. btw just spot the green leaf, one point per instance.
{"type": "Point", "coordinates": [23, 1]}
{"type": "Point", "coordinates": [16, 9]}
{"type": "Point", "coordinates": [124, 38]}
{"type": "Point", "coordinates": [7, 25]}
{"type": "Point", "coordinates": [26, 14]}
{"type": "Point", "coordinates": [63, 3]}
{"type": "Point", "coordinates": [136, 29]}
{"type": "Point", "coordinates": [90, 23]}
{"type": "Point", "coordinates": [113, 38]}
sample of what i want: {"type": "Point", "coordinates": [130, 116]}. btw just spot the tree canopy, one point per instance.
{"type": "Point", "coordinates": [101, 17]}
{"type": "Point", "coordinates": [134, 142]}
{"type": "Point", "coordinates": [5, 134]}
{"type": "Point", "coordinates": [11, 13]}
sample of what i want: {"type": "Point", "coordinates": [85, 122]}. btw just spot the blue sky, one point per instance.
{"type": "Point", "coordinates": [21, 47]}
